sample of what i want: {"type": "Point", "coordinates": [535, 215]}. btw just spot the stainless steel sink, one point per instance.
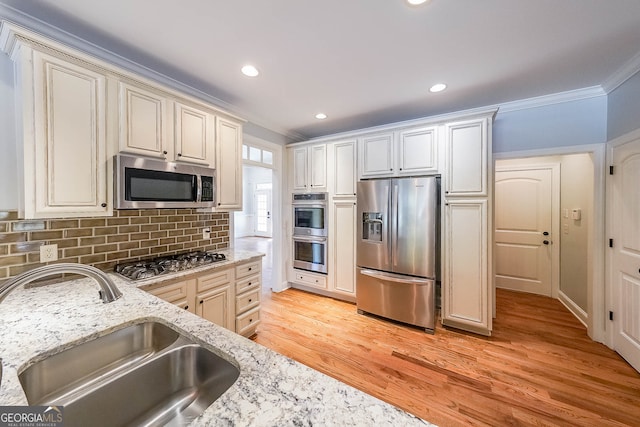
{"type": "Point", "coordinates": [146, 374]}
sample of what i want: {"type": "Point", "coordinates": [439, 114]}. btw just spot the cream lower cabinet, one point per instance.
{"type": "Point", "coordinates": [228, 297]}
{"type": "Point", "coordinates": [344, 248]}
{"type": "Point", "coordinates": [215, 298]}
{"type": "Point", "coordinates": [248, 288]}
{"type": "Point", "coordinates": [467, 266]}
{"type": "Point", "coordinates": [180, 293]}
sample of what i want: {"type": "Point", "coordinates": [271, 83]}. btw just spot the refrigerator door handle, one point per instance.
{"type": "Point", "coordinates": [395, 277]}
{"type": "Point", "coordinates": [394, 224]}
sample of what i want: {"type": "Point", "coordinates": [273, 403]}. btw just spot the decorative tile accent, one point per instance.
{"type": "Point", "coordinates": [104, 242]}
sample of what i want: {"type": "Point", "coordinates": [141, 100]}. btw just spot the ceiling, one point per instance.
{"type": "Point", "coordinates": [362, 62]}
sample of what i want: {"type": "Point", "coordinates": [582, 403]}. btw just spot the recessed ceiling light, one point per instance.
{"type": "Point", "coordinates": [416, 2]}
{"type": "Point", "coordinates": [439, 87]}
{"type": "Point", "coordinates": [321, 116]}
{"type": "Point", "coordinates": [250, 71]}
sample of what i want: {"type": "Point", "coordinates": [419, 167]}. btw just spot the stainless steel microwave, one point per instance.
{"type": "Point", "coordinates": [142, 183]}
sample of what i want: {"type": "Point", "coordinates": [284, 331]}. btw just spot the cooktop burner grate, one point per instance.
{"type": "Point", "coordinates": [145, 269]}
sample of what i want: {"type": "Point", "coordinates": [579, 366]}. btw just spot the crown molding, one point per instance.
{"type": "Point", "coordinates": [42, 30]}
{"type": "Point", "coordinates": [622, 74]}
{"type": "Point", "coordinates": [551, 99]}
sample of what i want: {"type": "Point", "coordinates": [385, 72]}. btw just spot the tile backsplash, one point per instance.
{"type": "Point", "coordinates": [106, 241]}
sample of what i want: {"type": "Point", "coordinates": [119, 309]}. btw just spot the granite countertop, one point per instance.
{"type": "Point", "coordinates": [272, 390]}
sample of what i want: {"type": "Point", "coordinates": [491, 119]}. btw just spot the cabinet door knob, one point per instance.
{"type": "Point", "coordinates": [164, 152]}
{"type": "Point", "coordinates": [250, 320]}
{"type": "Point", "coordinates": [249, 268]}
{"type": "Point", "coordinates": [179, 154]}
{"type": "Point", "coordinates": [250, 300]}
{"type": "Point", "coordinates": [546, 233]}
{"type": "Point", "coordinates": [201, 301]}
{"type": "Point", "coordinates": [546, 242]}
{"type": "Point", "coordinates": [186, 307]}
{"type": "Point", "coordinates": [104, 205]}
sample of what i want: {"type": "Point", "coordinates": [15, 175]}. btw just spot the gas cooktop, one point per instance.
{"type": "Point", "coordinates": [145, 269]}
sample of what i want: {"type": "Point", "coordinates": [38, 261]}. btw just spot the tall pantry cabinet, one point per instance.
{"type": "Point", "coordinates": [467, 301]}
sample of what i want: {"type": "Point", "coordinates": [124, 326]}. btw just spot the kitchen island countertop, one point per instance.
{"type": "Point", "coordinates": [272, 390]}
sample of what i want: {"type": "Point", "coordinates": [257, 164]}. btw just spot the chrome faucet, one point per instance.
{"type": "Point", "coordinates": [108, 290]}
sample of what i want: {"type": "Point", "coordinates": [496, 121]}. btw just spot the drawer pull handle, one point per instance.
{"type": "Point", "coordinates": [186, 307]}
{"type": "Point", "coordinates": [249, 268]}
{"type": "Point", "coordinates": [250, 300]}
{"type": "Point", "coordinates": [250, 320]}
{"type": "Point", "coordinates": [249, 284]}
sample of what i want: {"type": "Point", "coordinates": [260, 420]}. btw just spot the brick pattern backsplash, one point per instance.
{"type": "Point", "coordinates": [105, 242]}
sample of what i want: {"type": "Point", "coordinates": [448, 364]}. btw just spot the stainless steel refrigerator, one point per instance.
{"type": "Point", "coordinates": [397, 249]}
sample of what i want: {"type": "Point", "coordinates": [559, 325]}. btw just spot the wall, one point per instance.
{"type": "Point", "coordinates": [8, 172]}
{"type": "Point", "coordinates": [578, 122]}
{"type": "Point", "coordinates": [104, 242]}
{"type": "Point", "coordinates": [623, 112]}
{"type": "Point", "coordinates": [576, 191]}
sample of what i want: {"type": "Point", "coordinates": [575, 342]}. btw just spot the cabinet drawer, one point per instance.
{"type": "Point", "coordinates": [243, 285]}
{"type": "Point", "coordinates": [215, 279]}
{"type": "Point", "coordinates": [248, 268]}
{"type": "Point", "coordinates": [173, 293]}
{"type": "Point", "coordinates": [247, 301]}
{"type": "Point", "coordinates": [248, 321]}
{"type": "Point", "coordinates": [314, 280]}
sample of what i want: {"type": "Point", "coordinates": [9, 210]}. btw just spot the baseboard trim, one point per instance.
{"type": "Point", "coordinates": [579, 313]}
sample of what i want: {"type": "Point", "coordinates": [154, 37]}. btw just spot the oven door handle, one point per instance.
{"type": "Point", "coordinates": [310, 239]}
{"type": "Point", "coordinates": [395, 278]}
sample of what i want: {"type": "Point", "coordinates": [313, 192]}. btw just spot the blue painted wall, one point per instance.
{"type": "Point", "coordinates": [624, 108]}
{"type": "Point", "coordinates": [577, 122]}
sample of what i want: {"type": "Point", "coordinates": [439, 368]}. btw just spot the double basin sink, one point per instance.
{"type": "Point", "coordinates": [142, 375]}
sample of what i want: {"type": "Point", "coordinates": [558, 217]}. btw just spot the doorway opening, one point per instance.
{"type": "Point", "coordinates": [544, 228]}
{"type": "Point", "coordinates": [253, 227]}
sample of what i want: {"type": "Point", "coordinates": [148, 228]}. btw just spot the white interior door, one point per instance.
{"type": "Point", "coordinates": [523, 230]}
{"type": "Point", "coordinates": [263, 224]}
{"type": "Point", "coordinates": [626, 251]}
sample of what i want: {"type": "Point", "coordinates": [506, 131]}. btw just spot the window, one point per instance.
{"type": "Point", "coordinates": [257, 155]}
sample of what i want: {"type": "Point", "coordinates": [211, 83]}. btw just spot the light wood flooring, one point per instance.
{"type": "Point", "coordinates": [539, 367]}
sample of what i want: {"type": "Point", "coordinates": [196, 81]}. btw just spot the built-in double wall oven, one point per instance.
{"type": "Point", "coordinates": [310, 231]}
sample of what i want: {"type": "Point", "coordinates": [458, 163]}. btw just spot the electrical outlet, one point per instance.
{"type": "Point", "coordinates": [48, 253]}
{"type": "Point", "coordinates": [206, 233]}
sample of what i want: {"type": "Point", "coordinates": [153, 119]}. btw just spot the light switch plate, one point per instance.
{"type": "Point", "coordinates": [48, 253]}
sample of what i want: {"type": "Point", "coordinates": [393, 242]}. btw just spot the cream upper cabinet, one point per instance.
{"type": "Point", "coordinates": [228, 164]}
{"type": "Point", "coordinates": [147, 127]}
{"type": "Point", "coordinates": [405, 152]}
{"type": "Point", "coordinates": [309, 171]}
{"type": "Point", "coordinates": [344, 169]}
{"type": "Point", "coordinates": [375, 155]}
{"type": "Point", "coordinates": [143, 121]}
{"type": "Point", "coordinates": [467, 159]}
{"type": "Point", "coordinates": [417, 151]}
{"type": "Point", "coordinates": [194, 134]}
{"type": "Point", "coordinates": [62, 134]}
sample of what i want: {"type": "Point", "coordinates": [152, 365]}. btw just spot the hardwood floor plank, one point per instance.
{"type": "Point", "coordinates": [538, 368]}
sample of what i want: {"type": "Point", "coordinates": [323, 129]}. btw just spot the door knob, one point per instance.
{"type": "Point", "coordinates": [546, 233]}
{"type": "Point", "coordinates": [546, 242]}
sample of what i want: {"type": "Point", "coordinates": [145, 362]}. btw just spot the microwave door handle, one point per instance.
{"type": "Point", "coordinates": [198, 188]}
